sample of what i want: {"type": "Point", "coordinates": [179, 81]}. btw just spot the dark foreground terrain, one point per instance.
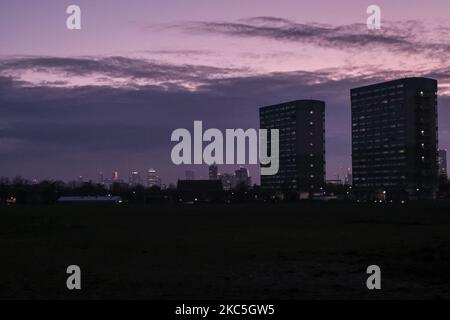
{"type": "Point", "coordinates": [281, 251]}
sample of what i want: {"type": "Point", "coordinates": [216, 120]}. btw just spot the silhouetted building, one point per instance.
{"type": "Point", "coordinates": [199, 190]}
{"type": "Point", "coordinates": [443, 162]}
{"type": "Point", "coordinates": [394, 139]}
{"type": "Point", "coordinates": [301, 127]}
{"type": "Point", "coordinates": [153, 179]}
{"type": "Point", "coordinates": [107, 183]}
{"type": "Point", "coordinates": [213, 172]}
{"type": "Point", "coordinates": [227, 181]}
{"type": "Point", "coordinates": [242, 178]}
{"type": "Point", "coordinates": [190, 175]}
{"type": "Point", "coordinates": [134, 179]}
{"type": "Point", "coordinates": [348, 178]}
{"type": "Point", "coordinates": [115, 176]}
{"type": "Point", "coordinates": [100, 178]}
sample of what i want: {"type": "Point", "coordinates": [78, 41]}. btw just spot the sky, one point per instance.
{"type": "Point", "coordinates": [108, 96]}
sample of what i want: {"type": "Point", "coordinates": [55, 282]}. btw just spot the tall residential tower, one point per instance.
{"type": "Point", "coordinates": [301, 126]}
{"type": "Point", "coordinates": [394, 139]}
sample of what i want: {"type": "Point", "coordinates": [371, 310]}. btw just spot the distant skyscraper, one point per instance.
{"type": "Point", "coordinates": [349, 177]}
{"type": "Point", "coordinates": [227, 181]}
{"type": "Point", "coordinates": [115, 176]}
{"type": "Point", "coordinates": [107, 182]}
{"type": "Point", "coordinates": [190, 175]}
{"type": "Point", "coordinates": [100, 178]}
{"type": "Point", "coordinates": [443, 162]}
{"type": "Point", "coordinates": [242, 178]}
{"type": "Point", "coordinates": [301, 127]}
{"type": "Point", "coordinates": [135, 178]}
{"type": "Point", "coordinates": [153, 179]}
{"type": "Point", "coordinates": [394, 139]}
{"type": "Point", "coordinates": [213, 172]}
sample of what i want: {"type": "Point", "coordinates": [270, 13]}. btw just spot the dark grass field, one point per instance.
{"type": "Point", "coordinates": [248, 251]}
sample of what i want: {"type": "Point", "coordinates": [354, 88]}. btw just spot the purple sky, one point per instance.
{"type": "Point", "coordinates": [108, 96]}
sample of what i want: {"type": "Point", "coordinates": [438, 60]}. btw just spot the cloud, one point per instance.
{"type": "Point", "coordinates": [181, 52]}
{"type": "Point", "coordinates": [112, 70]}
{"type": "Point", "coordinates": [65, 131]}
{"type": "Point", "coordinates": [406, 37]}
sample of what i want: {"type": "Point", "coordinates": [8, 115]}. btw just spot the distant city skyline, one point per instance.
{"type": "Point", "coordinates": [106, 98]}
{"type": "Point", "coordinates": [241, 177]}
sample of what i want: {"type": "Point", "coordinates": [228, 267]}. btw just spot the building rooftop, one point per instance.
{"type": "Point", "coordinates": [302, 101]}
{"type": "Point", "coordinates": [394, 81]}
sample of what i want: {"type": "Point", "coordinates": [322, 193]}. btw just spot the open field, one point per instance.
{"type": "Point", "coordinates": [242, 251]}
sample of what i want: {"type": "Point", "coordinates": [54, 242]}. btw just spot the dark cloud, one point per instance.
{"type": "Point", "coordinates": [404, 36]}
{"type": "Point", "coordinates": [184, 52]}
{"type": "Point", "coordinates": [117, 67]}
{"type": "Point", "coordinates": [63, 132]}
{"type": "Point", "coordinates": [78, 131]}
